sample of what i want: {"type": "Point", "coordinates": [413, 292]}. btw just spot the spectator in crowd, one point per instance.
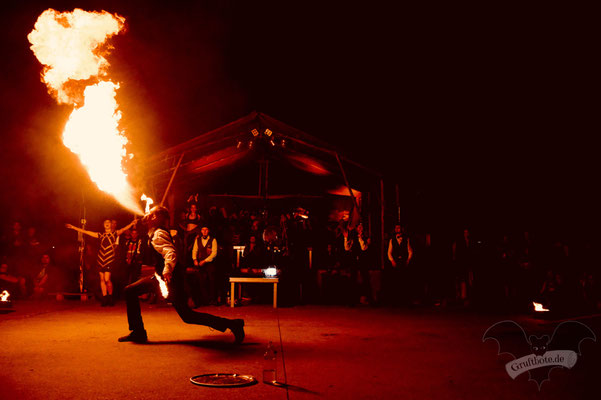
{"type": "Point", "coordinates": [42, 282]}
{"type": "Point", "coordinates": [525, 279]}
{"type": "Point", "coordinates": [588, 292]}
{"type": "Point", "coordinates": [216, 220]}
{"type": "Point", "coordinates": [33, 250]}
{"type": "Point", "coordinates": [15, 285]}
{"type": "Point", "coordinates": [204, 254]}
{"type": "Point", "coordinates": [552, 290]}
{"type": "Point", "coordinates": [463, 256]}
{"type": "Point", "coordinates": [328, 273]}
{"type": "Point", "coordinates": [357, 244]}
{"type": "Point", "coordinates": [253, 257]}
{"type": "Point", "coordinates": [507, 271]}
{"type": "Point", "coordinates": [252, 263]}
{"type": "Point", "coordinates": [134, 255]}
{"type": "Point", "coordinates": [107, 256]}
{"type": "Point", "coordinates": [422, 268]}
{"type": "Point", "coordinates": [436, 256]}
{"type": "Point", "coordinates": [558, 257]}
{"type": "Point", "coordinates": [33, 242]}
{"type": "Point", "coordinates": [15, 241]}
{"type": "Point", "coordinates": [191, 223]}
{"type": "Point", "coordinates": [396, 276]}
{"type": "Point", "coordinates": [256, 231]}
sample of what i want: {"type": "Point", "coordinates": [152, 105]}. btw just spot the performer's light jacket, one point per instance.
{"type": "Point", "coordinates": [163, 255]}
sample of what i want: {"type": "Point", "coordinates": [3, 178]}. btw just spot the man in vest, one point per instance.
{"type": "Point", "coordinates": [204, 253]}
{"type": "Point", "coordinates": [163, 255]}
{"type": "Point", "coordinates": [398, 277]}
{"type": "Point", "coordinates": [399, 249]}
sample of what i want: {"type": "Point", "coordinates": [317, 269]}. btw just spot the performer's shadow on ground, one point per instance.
{"type": "Point", "coordinates": [292, 388]}
{"type": "Point", "coordinates": [208, 344]}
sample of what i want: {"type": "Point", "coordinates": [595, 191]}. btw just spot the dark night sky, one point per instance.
{"type": "Point", "coordinates": [480, 113]}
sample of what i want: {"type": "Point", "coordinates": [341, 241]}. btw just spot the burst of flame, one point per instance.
{"type": "Point", "coordinates": [539, 307]}
{"type": "Point", "coordinates": [148, 201]}
{"type": "Point", "coordinates": [70, 46]}
{"type": "Point", "coordinates": [162, 285]}
{"type": "Point", "coordinates": [4, 295]}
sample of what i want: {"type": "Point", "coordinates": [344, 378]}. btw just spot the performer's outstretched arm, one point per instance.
{"type": "Point", "coordinates": [90, 233]}
{"type": "Point", "coordinates": [126, 227]}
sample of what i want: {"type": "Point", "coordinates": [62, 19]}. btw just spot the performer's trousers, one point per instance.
{"type": "Point", "coordinates": [177, 295]}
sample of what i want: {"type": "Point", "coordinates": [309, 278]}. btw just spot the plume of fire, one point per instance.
{"type": "Point", "coordinates": [4, 295]}
{"type": "Point", "coordinates": [148, 201]}
{"type": "Point", "coordinates": [539, 307]}
{"type": "Point", "coordinates": [162, 286]}
{"type": "Point", "coordinates": [70, 45]}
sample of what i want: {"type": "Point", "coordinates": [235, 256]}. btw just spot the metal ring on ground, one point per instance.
{"type": "Point", "coordinates": [223, 380]}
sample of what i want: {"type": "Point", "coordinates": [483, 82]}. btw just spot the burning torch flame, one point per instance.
{"type": "Point", "coordinates": [162, 286]}
{"type": "Point", "coordinates": [4, 296]}
{"type": "Point", "coordinates": [70, 45]}
{"type": "Point", "coordinates": [539, 307]}
{"type": "Point", "coordinates": [148, 201]}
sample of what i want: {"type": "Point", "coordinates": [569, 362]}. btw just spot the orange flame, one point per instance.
{"type": "Point", "coordinates": [539, 307]}
{"type": "Point", "coordinates": [4, 295]}
{"type": "Point", "coordinates": [162, 285]}
{"type": "Point", "coordinates": [69, 46]}
{"type": "Point", "coordinates": [148, 201]}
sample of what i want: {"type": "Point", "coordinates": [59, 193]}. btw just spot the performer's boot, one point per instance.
{"type": "Point", "coordinates": [110, 301]}
{"type": "Point", "coordinates": [104, 301]}
{"type": "Point", "coordinates": [138, 336]}
{"type": "Point", "coordinates": [237, 328]}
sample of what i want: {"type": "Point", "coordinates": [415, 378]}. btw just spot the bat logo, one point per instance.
{"type": "Point", "coordinates": [538, 355]}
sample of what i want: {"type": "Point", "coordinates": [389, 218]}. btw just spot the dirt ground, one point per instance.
{"type": "Point", "coordinates": [69, 350]}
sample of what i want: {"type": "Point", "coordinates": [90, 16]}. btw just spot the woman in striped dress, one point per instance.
{"type": "Point", "coordinates": [107, 256]}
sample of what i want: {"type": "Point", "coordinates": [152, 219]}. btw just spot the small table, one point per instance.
{"type": "Point", "coordinates": [233, 282]}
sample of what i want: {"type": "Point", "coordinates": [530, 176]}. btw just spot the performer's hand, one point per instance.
{"type": "Point", "coordinates": [201, 263]}
{"type": "Point", "coordinates": [393, 263]}
{"type": "Point", "coordinates": [69, 226]}
{"type": "Point", "coordinates": [167, 277]}
{"type": "Point", "coordinates": [196, 262]}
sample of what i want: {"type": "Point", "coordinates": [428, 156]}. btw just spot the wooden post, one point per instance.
{"type": "Point", "coordinates": [346, 182]}
{"type": "Point", "coordinates": [260, 177]}
{"type": "Point", "coordinates": [265, 194]}
{"type": "Point", "coordinates": [353, 199]}
{"type": "Point", "coordinates": [171, 202]}
{"type": "Point", "coordinates": [171, 180]}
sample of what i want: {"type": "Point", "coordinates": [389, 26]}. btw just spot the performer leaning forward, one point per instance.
{"type": "Point", "coordinates": [162, 255]}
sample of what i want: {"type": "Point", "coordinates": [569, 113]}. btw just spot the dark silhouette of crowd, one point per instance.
{"type": "Point", "coordinates": [26, 265]}
{"type": "Point", "coordinates": [323, 260]}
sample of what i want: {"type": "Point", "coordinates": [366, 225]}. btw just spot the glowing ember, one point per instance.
{"type": "Point", "coordinates": [148, 201]}
{"type": "Point", "coordinates": [70, 47]}
{"type": "Point", "coordinates": [539, 307]}
{"type": "Point", "coordinates": [162, 285]}
{"type": "Point", "coordinates": [4, 295]}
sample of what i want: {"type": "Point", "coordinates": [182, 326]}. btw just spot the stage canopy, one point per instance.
{"type": "Point", "coordinates": [258, 156]}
